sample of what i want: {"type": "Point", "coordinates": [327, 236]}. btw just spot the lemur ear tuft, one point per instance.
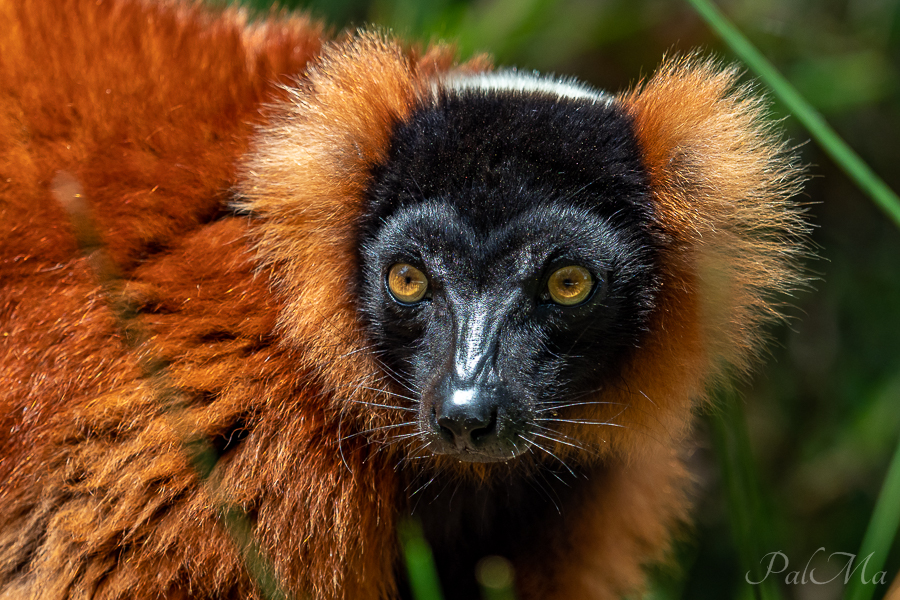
{"type": "Point", "coordinates": [722, 181]}
{"type": "Point", "coordinates": [304, 183]}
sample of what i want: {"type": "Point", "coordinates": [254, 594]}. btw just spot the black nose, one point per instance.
{"type": "Point", "coordinates": [475, 421]}
{"type": "Point", "coordinates": [467, 418]}
{"type": "Point", "coordinates": [466, 414]}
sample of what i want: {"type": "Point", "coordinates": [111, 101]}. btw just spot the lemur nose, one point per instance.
{"type": "Point", "coordinates": [467, 417]}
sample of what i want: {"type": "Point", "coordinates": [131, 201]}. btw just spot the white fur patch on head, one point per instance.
{"type": "Point", "coordinates": [512, 80]}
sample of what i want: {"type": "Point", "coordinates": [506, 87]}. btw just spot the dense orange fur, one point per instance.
{"type": "Point", "coordinates": [723, 180]}
{"type": "Point", "coordinates": [151, 106]}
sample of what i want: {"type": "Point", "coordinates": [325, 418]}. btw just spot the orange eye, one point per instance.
{"type": "Point", "coordinates": [407, 283]}
{"type": "Point", "coordinates": [570, 285]}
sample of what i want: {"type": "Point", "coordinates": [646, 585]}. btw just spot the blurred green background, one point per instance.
{"type": "Point", "coordinates": [824, 413]}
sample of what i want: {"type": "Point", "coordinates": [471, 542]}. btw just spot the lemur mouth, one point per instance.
{"type": "Point", "coordinates": [468, 439]}
{"type": "Point", "coordinates": [474, 456]}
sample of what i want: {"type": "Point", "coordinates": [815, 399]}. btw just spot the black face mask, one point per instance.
{"type": "Point", "coordinates": [507, 262]}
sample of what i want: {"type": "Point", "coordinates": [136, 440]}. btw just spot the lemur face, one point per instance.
{"type": "Point", "coordinates": [507, 258]}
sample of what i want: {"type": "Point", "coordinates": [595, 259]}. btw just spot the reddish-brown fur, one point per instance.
{"type": "Point", "coordinates": [151, 107]}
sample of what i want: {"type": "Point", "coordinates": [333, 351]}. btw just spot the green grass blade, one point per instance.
{"type": "Point", "coordinates": [423, 578]}
{"type": "Point", "coordinates": [748, 521]}
{"type": "Point", "coordinates": [831, 142]}
{"type": "Point", "coordinates": [880, 533]}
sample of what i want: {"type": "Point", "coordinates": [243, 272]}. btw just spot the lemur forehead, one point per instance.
{"type": "Point", "coordinates": [512, 80]}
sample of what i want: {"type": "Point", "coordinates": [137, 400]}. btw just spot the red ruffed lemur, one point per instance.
{"type": "Point", "coordinates": [377, 284]}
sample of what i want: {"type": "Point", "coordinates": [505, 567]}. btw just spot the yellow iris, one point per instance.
{"type": "Point", "coordinates": [570, 285]}
{"type": "Point", "coordinates": [407, 283]}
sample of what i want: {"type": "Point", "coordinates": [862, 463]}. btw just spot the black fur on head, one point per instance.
{"type": "Point", "coordinates": [487, 192]}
